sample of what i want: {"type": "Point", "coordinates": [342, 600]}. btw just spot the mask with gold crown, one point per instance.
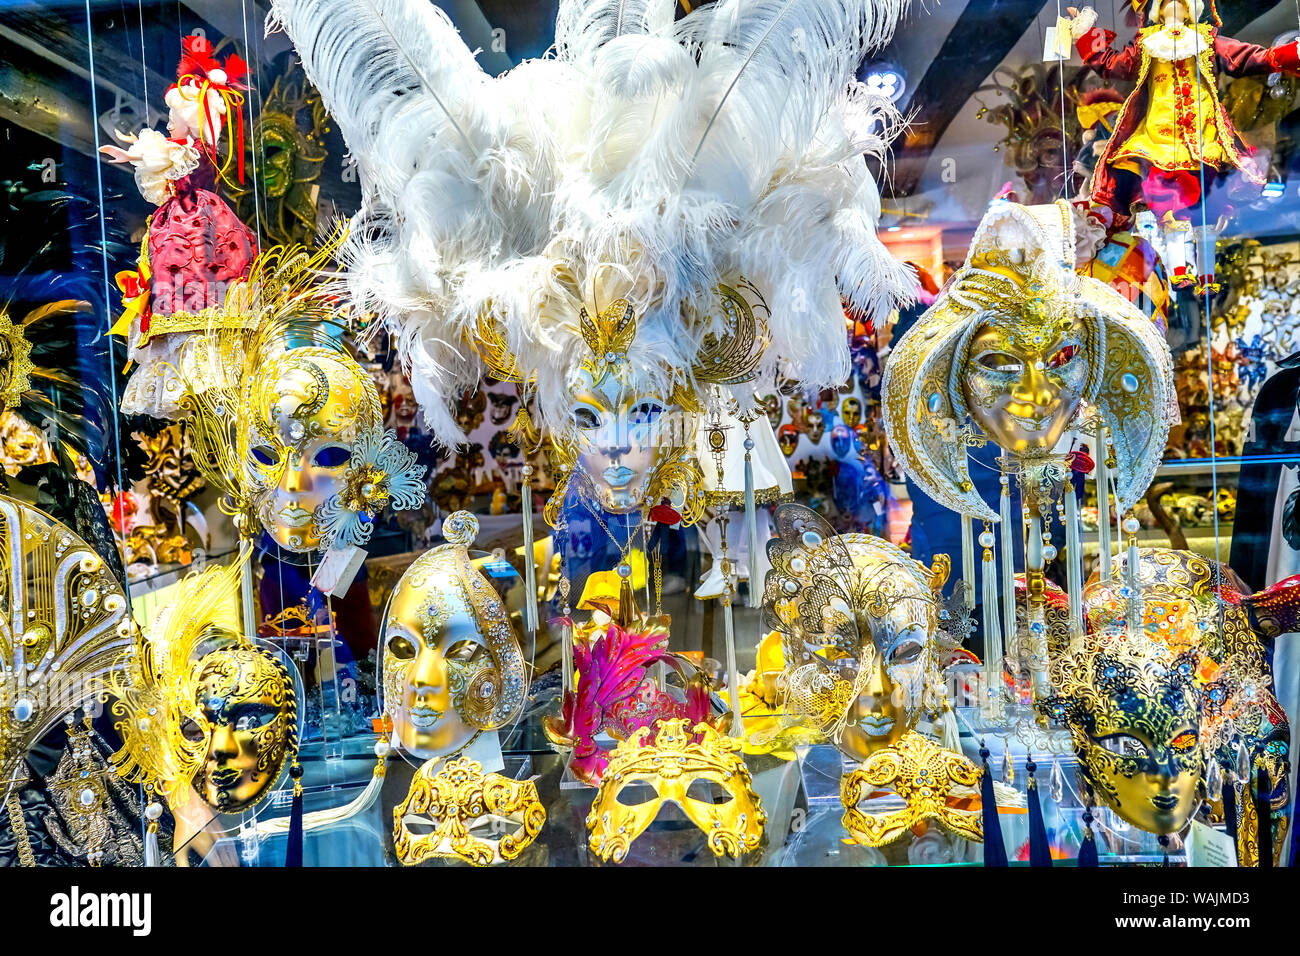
{"type": "Point", "coordinates": [1021, 351]}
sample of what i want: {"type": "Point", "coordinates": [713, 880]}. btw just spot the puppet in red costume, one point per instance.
{"type": "Point", "coordinates": [1173, 132]}
{"type": "Point", "coordinates": [195, 248]}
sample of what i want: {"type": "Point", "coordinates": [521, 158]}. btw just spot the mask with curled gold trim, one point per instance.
{"type": "Point", "coordinates": [1025, 349]}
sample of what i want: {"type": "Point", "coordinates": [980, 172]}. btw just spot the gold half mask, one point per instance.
{"type": "Point", "coordinates": [16, 364]}
{"type": "Point", "coordinates": [454, 800]}
{"type": "Point", "coordinates": [452, 665]}
{"type": "Point", "coordinates": [1026, 348]}
{"type": "Point", "coordinates": [65, 634]}
{"type": "Point", "coordinates": [1134, 718]}
{"type": "Point", "coordinates": [925, 775]}
{"type": "Point", "coordinates": [669, 758]}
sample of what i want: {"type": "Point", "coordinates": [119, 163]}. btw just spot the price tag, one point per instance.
{"type": "Point", "coordinates": [339, 569]}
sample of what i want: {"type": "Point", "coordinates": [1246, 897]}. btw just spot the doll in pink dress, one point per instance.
{"type": "Point", "coordinates": [196, 251]}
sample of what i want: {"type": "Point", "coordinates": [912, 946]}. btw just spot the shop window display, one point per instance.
{"type": "Point", "coordinates": [657, 433]}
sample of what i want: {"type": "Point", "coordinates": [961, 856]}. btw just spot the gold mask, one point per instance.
{"type": "Point", "coordinates": [859, 618]}
{"type": "Point", "coordinates": [456, 799]}
{"type": "Point", "coordinates": [203, 707]}
{"type": "Point", "coordinates": [925, 776]}
{"type": "Point", "coordinates": [307, 409]}
{"type": "Point", "coordinates": [669, 758]}
{"type": "Point", "coordinates": [1134, 718]}
{"type": "Point", "coordinates": [1027, 349]}
{"type": "Point", "coordinates": [452, 664]}
{"type": "Point", "coordinates": [66, 631]}
{"type": "Point", "coordinates": [16, 366]}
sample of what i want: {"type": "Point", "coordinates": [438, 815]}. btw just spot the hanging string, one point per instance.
{"type": "Point", "coordinates": [1008, 562]}
{"type": "Point", "coordinates": [1103, 502]}
{"type": "Point", "coordinates": [993, 640]}
{"type": "Point", "coordinates": [1073, 562]}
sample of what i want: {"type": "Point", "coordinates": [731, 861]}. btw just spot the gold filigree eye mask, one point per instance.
{"type": "Point", "coordinates": [455, 799]}
{"type": "Point", "coordinates": [928, 778]}
{"type": "Point", "coordinates": [669, 758]}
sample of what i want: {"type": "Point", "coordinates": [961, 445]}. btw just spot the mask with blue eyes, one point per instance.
{"type": "Point", "coordinates": [322, 465]}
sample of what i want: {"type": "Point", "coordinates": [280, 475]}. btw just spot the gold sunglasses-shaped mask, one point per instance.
{"type": "Point", "coordinates": [453, 667]}
{"type": "Point", "coordinates": [1135, 723]}
{"type": "Point", "coordinates": [671, 762]}
{"type": "Point", "coordinates": [245, 724]}
{"type": "Point", "coordinates": [444, 811]}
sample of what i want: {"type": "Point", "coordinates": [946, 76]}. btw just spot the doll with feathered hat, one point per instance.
{"type": "Point", "coordinates": [1173, 133]}
{"type": "Point", "coordinates": [196, 249]}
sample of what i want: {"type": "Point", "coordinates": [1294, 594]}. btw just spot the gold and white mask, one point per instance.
{"type": "Point", "coordinates": [452, 664]}
{"type": "Point", "coordinates": [1028, 351]}
{"type": "Point", "coordinates": [671, 762]}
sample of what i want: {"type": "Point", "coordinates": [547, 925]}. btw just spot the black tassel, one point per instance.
{"type": "Point", "coordinates": [1230, 811]}
{"type": "Point", "coordinates": [995, 851]}
{"type": "Point", "coordinates": [293, 852]}
{"type": "Point", "coordinates": [1039, 853]}
{"type": "Point", "coordinates": [1088, 849]}
{"type": "Point", "coordinates": [1263, 818]}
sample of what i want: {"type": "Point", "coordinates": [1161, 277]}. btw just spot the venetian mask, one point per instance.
{"type": "Point", "coordinates": [814, 425]}
{"type": "Point", "coordinates": [842, 441]}
{"type": "Point", "coordinates": [851, 412]}
{"type": "Point", "coordinates": [1019, 349]}
{"type": "Point", "coordinates": [452, 666]}
{"type": "Point", "coordinates": [247, 726]}
{"type": "Point", "coordinates": [469, 411]}
{"type": "Point", "coordinates": [1134, 717]}
{"type": "Point", "coordinates": [772, 407]}
{"type": "Point", "coordinates": [787, 437]}
{"type": "Point", "coordinates": [859, 617]}
{"type": "Point", "coordinates": [323, 465]}
{"type": "Point", "coordinates": [672, 762]}
{"type": "Point", "coordinates": [502, 406]}
{"type": "Point", "coordinates": [453, 809]}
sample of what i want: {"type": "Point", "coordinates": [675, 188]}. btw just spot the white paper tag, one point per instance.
{"type": "Point", "coordinates": [337, 572]}
{"type": "Point", "coordinates": [1207, 846]}
{"type": "Point", "coordinates": [486, 751]}
{"type": "Point", "coordinates": [1059, 42]}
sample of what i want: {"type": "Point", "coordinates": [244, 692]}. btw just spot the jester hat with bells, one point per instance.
{"type": "Point", "coordinates": [1020, 274]}
{"type": "Point", "coordinates": [649, 159]}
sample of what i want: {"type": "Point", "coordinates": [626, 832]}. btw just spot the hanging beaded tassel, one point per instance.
{"type": "Point", "coordinates": [1073, 563]}
{"type": "Point", "coordinates": [995, 851]}
{"type": "Point", "coordinates": [968, 560]}
{"type": "Point", "coordinates": [293, 851]}
{"type": "Point", "coordinates": [993, 640]}
{"type": "Point", "coordinates": [1040, 853]}
{"type": "Point", "coordinates": [729, 633]}
{"type": "Point", "coordinates": [1008, 560]}
{"type": "Point", "coordinates": [751, 524]}
{"type": "Point", "coordinates": [1131, 576]}
{"type": "Point", "coordinates": [530, 564]}
{"type": "Point", "coordinates": [153, 812]}
{"type": "Point", "coordinates": [1103, 503]}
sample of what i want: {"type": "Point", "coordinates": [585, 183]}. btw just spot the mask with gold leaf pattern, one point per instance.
{"type": "Point", "coordinates": [860, 621]}
{"type": "Point", "coordinates": [1027, 350]}
{"type": "Point", "coordinates": [452, 665]}
{"type": "Point", "coordinates": [450, 802]}
{"type": "Point", "coordinates": [672, 762]}
{"type": "Point", "coordinates": [1134, 715]}
{"type": "Point", "coordinates": [204, 708]}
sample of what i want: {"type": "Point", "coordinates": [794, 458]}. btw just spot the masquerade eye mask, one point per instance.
{"type": "Point", "coordinates": [456, 799]}
{"type": "Point", "coordinates": [668, 759]}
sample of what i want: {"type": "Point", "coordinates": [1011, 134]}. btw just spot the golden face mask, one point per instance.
{"type": "Point", "coordinates": [936, 784]}
{"type": "Point", "coordinates": [1027, 350]}
{"type": "Point", "coordinates": [66, 631]}
{"type": "Point", "coordinates": [452, 665]}
{"type": "Point", "coordinates": [247, 727]}
{"type": "Point", "coordinates": [1134, 718]}
{"type": "Point", "coordinates": [306, 410]}
{"type": "Point", "coordinates": [202, 707]}
{"type": "Point", "coordinates": [16, 365]}
{"type": "Point", "coordinates": [859, 618]}
{"type": "Point", "coordinates": [678, 763]}
{"type": "Point", "coordinates": [449, 805]}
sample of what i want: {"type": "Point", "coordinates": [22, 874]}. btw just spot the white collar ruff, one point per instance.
{"type": "Point", "coordinates": [1174, 43]}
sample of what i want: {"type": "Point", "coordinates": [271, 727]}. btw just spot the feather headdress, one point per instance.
{"type": "Point", "coordinates": [650, 159]}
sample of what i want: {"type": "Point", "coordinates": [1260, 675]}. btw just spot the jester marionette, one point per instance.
{"type": "Point", "coordinates": [1173, 134]}
{"type": "Point", "coordinates": [196, 251]}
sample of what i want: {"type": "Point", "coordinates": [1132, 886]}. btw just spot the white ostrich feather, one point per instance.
{"type": "Point", "coordinates": [648, 158]}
